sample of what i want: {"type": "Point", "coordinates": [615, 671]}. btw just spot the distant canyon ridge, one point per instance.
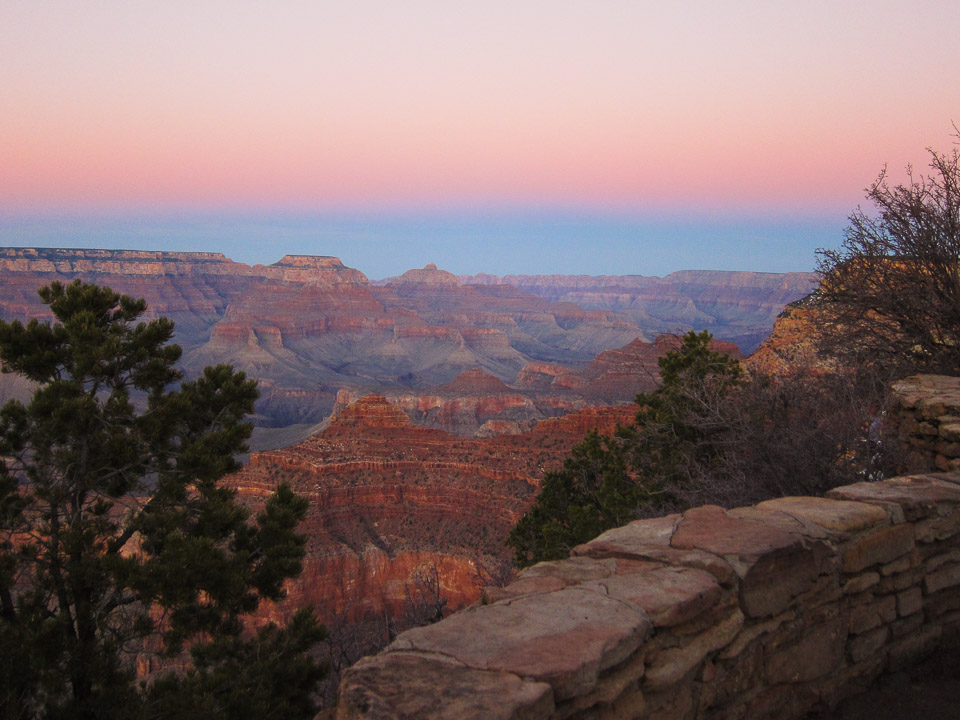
{"type": "Point", "coordinates": [471, 354]}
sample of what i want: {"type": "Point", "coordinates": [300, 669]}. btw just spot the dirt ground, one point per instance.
{"type": "Point", "coordinates": [928, 691]}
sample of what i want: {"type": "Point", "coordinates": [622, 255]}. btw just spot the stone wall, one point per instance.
{"type": "Point", "coordinates": [928, 410]}
{"type": "Point", "coordinates": [767, 611]}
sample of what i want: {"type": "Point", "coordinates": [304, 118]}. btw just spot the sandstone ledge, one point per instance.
{"type": "Point", "coordinates": [761, 612]}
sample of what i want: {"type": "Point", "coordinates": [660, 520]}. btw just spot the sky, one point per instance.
{"type": "Point", "coordinates": [520, 136]}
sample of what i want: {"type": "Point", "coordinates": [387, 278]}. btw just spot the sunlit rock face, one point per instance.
{"type": "Point", "coordinates": [389, 499]}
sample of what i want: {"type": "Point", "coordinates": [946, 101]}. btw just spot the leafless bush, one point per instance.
{"type": "Point", "coordinates": [796, 434]}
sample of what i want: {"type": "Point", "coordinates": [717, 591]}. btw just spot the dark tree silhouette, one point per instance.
{"type": "Point", "coordinates": [890, 295]}
{"type": "Point", "coordinates": [116, 539]}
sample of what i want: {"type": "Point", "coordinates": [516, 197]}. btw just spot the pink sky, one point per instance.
{"type": "Point", "coordinates": [600, 104]}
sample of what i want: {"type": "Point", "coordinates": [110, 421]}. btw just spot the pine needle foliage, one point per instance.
{"type": "Point", "coordinates": [116, 540]}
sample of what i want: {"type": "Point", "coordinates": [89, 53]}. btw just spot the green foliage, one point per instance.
{"type": "Point", "coordinates": [593, 492]}
{"type": "Point", "coordinates": [673, 425]}
{"type": "Point", "coordinates": [711, 434]}
{"type": "Point", "coordinates": [116, 537]}
{"type": "Point", "coordinates": [605, 480]}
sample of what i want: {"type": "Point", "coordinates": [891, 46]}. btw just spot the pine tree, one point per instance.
{"type": "Point", "coordinates": [115, 536]}
{"type": "Point", "coordinates": [605, 481]}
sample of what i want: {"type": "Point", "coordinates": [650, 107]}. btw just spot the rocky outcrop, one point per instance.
{"type": "Point", "coordinates": [791, 345]}
{"type": "Point", "coordinates": [306, 327]}
{"type": "Point", "coordinates": [389, 498]}
{"type": "Point", "coordinates": [735, 306]}
{"type": "Point", "coordinates": [477, 403]}
{"type": "Point", "coordinates": [768, 611]}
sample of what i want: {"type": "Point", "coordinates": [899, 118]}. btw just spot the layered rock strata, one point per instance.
{"type": "Point", "coordinates": [306, 327]}
{"type": "Point", "coordinates": [735, 306]}
{"type": "Point", "coordinates": [477, 403]}
{"type": "Point", "coordinates": [389, 499]}
{"type": "Point", "coordinates": [768, 611]}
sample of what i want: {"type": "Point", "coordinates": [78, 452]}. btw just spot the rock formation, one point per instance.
{"type": "Point", "coordinates": [735, 306]}
{"type": "Point", "coordinates": [389, 498]}
{"type": "Point", "coordinates": [308, 328]}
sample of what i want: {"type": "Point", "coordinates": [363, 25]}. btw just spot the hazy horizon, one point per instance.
{"type": "Point", "coordinates": [499, 245]}
{"type": "Point", "coordinates": [620, 137]}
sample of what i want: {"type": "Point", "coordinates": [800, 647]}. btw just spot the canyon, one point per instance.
{"type": "Point", "coordinates": [736, 306]}
{"type": "Point", "coordinates": [389, 499]}
{"type": "Point", "coordinates": [418, 414]}
{"type": "Point", "coordinates": [317, 334]}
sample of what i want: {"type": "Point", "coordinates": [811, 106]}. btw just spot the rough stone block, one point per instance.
{"type": "Point", "coordinates": [939, 528]}
{"type": "Point", "coordinates": [565, 638]}
{"type": "Point", "coordinates": [860, 583]}
{"type": "Point", "coordinates": [881, 546]}
{"type": "Point", "coordinates": [782, 701]}
{"type": "Point", "coordinates": [628, 706]}
{"type": "Point", "coordinates": [863, 618]}
{"type": "Point", "coordinates": [949, 449]}
{"type": "Point", "coordinates": [942, 602]}
{"type": "Point", "coordinates": [945, 577]}
{"type": "Point", "coordinates": [907, 625]}
{"type": "Point", "coordinates": [650, 540]}
{"type": "Point", "coordinates": [613, 684]}
{"type": "Point", "coordinates": [918, 496]}
{"type": "Point", "coordinates": [753, 631]}
{"type": "Point", "coordinates": [900, 565]}
{"type": "Point", "coordinates": [385, 687]}
{"type": "Point", "coordinates": [774, 566]}
{"type": "Point", "coordinates": [938, 560]}
{"type": "Point", "coordinates": [909, 602]}
{"type": "Point", "coordinates": [671, 664]}
{"type": "Point", "coordinates": [835, 516]}
{"type": "Point", "coordinates": [949, 430]}
{"type": "Point", "coordinates": [850, 680]}
{"type": "Point", "coordinates": [670, 596]}
{"type": "Point", "coordinates": [819, 652]}
{"type": "Point", "coordinates": [676, 704]}
{"type": "Point", "coordinates": [898, 583]}
{"type": "Point", "coordinates": [731, 679]}
{"type": "Point", "coordinates": [909, 650]}
{"type": "Point", "coordinates": [863, 646]}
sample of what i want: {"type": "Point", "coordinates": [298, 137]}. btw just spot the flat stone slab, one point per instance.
{"type": "Point", "coordinates": [564, 638]}
{"type": "Point", "coordinates": [670, 596]}
{"type": "Point", "coordinates": [837, 517]}
{"type": "Point", "coordinates": [935, 393]}
{"type": "Point", "coordinates": [714, 530]}
{"type": "Point", "coordinates": [878, 548]}
{"type": "Point", "coordinates": [917, 496]}
{"type": "Point", "coordinates": [558, 574]}
{"type": "Point", "coordinates": [650, 540]}
{"type": "Point", "coordinates": [409, 685]}
{"type": "Point", "coordinates": [774, 565]}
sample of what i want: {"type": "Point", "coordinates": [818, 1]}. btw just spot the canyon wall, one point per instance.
{"type": "Point", "coordinates": [769, 611]}
{"type": "Point", "coordinates": [390, 500]}
{"type": "Point", "coordinates": [308, 327]}
{"type": "Point", "coordinates": [735, 306]}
